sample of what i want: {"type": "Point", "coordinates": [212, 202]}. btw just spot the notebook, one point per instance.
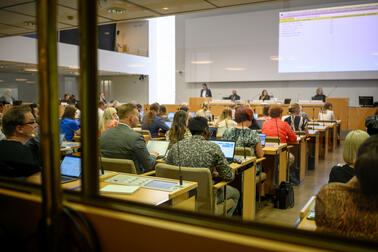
{"type": "Point", "coordinates": [70, 169]}
{"type": "Point", "coordinates": [228, 149]}
{"type": "Point", "coordinates": [125, 189]}
{"type": "Point", "coordinates": [160, 147]}
{"type": "Point", "coordinates": [262, 139]}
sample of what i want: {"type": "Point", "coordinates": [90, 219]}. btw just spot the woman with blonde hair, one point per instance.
{"type": "Point", "coordinates": [224, 122]}
{"type": "Point", "coordinates": [352, 142]}
{"type": "Point", "coordinates": [205, 112]}
{"type": "Point", "coordinates": [108, 120]}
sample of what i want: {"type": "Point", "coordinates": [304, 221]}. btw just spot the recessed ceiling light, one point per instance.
{"type": "Point", "coordinates": [201, 62]}
{"type": "Point", "coordinates": [116, 11]}
{"type": "Point", "coordinates": [31, 69]}
{"type": "Point", "coordinates": [73, 67]}
{"type": "Point", "coordinates": [30, 82]}
{"type": "Point", "coordinates": [235, 68]}
{"type": "Point", "coordinates": [165, 8]}
{"type": "Point", "coordinates": [21, 79]}
{"type": "Point", "coordinates": [29, 23]}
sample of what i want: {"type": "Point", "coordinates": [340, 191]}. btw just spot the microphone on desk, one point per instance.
{"type": "Point", "coordinates": [278, 134]}
{"type": "Point", "coordinates": [178, 153]}
{"type": "Point", "coordinates": [245, 156]}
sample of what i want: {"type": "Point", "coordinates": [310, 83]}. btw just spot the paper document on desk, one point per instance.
{"type": "Point", "coordinates": [119, 189]}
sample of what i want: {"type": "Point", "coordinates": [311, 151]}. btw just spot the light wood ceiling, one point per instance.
{"type": "Point", "coordinates": [18, 16]}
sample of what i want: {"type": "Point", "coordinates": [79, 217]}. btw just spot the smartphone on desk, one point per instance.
{"type": "Point", "coordinates": [311, 216]}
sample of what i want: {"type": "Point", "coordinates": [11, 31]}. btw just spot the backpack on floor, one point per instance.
{"type": "Point", "coordinates": [284, 196]}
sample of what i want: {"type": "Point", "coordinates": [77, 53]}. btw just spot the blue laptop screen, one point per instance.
{"type": "Point", "coordinates": [71, 166]}
{"type": "Point", "coordinates": [169, 124]}
{"type": "Point", "coordinates": [228, 148]}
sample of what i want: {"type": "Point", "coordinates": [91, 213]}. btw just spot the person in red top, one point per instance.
{"type": "Point", "coordinates": [275, 124]}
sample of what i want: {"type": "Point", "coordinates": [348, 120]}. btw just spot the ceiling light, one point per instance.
{"type": "Point", "coordinates": [1, 81]}
{"type": "Point", "coordinates": [165, 8]}
{"type": "Point", "coordinates": [73, 67]}
{"type": "Point", "coordinates": [30, 82]}
{"type": "Point", "coordinates": [135, 65]}
{"type": "Point", "coordinates": [21, 79]}
{"type": "Point", "coordinates": [275, 58]}
{"type": "Point", "coordinates": [116, 11]}
{"type": "Point", "coordinates": [31, 69]}
{"type": "Point", "coordinates": [201, 62]}
{"type": "Point", "coordinates": [235, 68]}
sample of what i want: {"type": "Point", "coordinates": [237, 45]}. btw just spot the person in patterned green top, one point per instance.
{"type": "Point", "coordinates": [196, 151]}
{"type": "Point", "coordinates": [242, 135]}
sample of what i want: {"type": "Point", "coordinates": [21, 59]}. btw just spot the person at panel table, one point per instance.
{"type": "Point", "coordinates": [264, 95]}
{"type": "Point", "coordinates": [16, 159]}
{"type": "Point", "coordinates": [205, 91]}
{"type": "Point", "coordinates": [319, 95]}
{"type": "Point", "coordinates": [234, 96]}
{"type": "Point", "coordinates": [326, 114]}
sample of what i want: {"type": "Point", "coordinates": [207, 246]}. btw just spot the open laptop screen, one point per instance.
{"type": "Point", "coordinates": [227, 147]}
{"type": "Point", "coordinates": [160, 147]}
{"type": "Point", "coordinates": [71, 166]}
{"type": "Point", "coordinates": [169, 124]}
{"type": "Point", "coordinates": [171, 115]}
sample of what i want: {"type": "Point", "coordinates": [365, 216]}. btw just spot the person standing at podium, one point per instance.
{"type": "Point", "coordinates": [319, 95]}
{"type": "Point", "coordinates": [205, 91]}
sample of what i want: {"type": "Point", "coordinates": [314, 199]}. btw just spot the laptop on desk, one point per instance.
{"type": "Point", "coordinates": [70, 169]}
{"type": "Point", "coordinates": [228, 149]}
{"type": "Point", "coordinates": [171, 115]}
{"type": "Point", "coordinates": [160, 147]}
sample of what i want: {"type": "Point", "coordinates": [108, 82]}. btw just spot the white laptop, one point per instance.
{"type": "Point", "coordinates": [160, 147]}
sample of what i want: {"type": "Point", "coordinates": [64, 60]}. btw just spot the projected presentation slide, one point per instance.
{"type": "Point", "coordinates": [334, 39]}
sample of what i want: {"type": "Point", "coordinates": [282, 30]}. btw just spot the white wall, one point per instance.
{"type": "Point", "coordinates": [128, 88]}
{"type": "Point", "coordinates": [280, 89]}
{"type": "Point", "coordinates": [135, 36]}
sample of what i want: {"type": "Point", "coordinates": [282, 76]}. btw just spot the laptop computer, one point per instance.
{"type": "Point", "coordinates": [70, 169]}
{"type": "Point", "coordinates": [171, 115]}
{"type": "Point", "coordinates": [287, 101]}
{"type": "Point", "coordinates": [255, 116]}
{"type": "Point", "coordinates": [227, 147]}
{"type": "Point", "coordinates": [193, 114]}
{"type": "Point", "coordinates": [169, 124]}
{"type": "Point", "coordinates": [160, 147]}
{"type": "Point", "coordinates": [262, 139]}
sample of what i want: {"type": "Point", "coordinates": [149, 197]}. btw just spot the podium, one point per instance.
{"type": "Point", "coordinates": [195, 102]}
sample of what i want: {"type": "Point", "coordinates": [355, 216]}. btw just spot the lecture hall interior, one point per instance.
{"type": "Point", "coordinates": [188, 125]}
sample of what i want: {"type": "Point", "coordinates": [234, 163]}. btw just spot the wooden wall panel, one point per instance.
{"type": "Point", "coordinates": [357, 117]}
{"type": "Point", "coordinates": [341, 108]}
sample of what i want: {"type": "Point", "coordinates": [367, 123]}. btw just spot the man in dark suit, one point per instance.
{"type": "Point", "coordinates": [205, 92]}
{"type": "Point", "coordinates": [234, 96]}
{"type": "Point", "coordinates": [123, 142]}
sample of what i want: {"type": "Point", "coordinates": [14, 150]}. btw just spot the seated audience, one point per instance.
{"type": "Point", "coordinates": [224, 122]}
{"type": "Point", "coordinates": [65, 99]}
{"type": "Point", "coordinates": [326, 114]}
{"type": "Point", "coordinates": [153, 123]}
{"type": "Point", "coordinates": [242, 135]}
{"type": "Point", "coordinates": [179, 128]}
{"type": "Point", "coordinates": [352, 142]}
{"type": "Point", "coordinates": [303, 114]}
{"type": "Point", "coordinates": [196, 151]}
{"type": "Point", "coordinates": [101, 108]}
{"type": "Point", "coordinates": [205, 112]}
{"type": "Point", "coordinates": [102, 98]}
{"type": "Point", "coordinates": [319, 95]}
{"type": "Point", "coordinates": [371, 123]}
{"type": "Point", "coordinates": [108, 120]}
{"type": "Point", "coordinates": [7, 98]}
{"type": "Point", "coordinates": [351, 209]}
{"type": "Point", "coordinates": [185, 107]}
{"type": "Point", "coordinates": [276, 125]}
{"type": "Point", "coordinates": [140, 115]}
{"type": "Point", "coordinates": [68, 125]}
{"type": "Point", "coordinates": [123, 142]}
{"type": "Point", "coordinates": [72, 100]}
{"type": "Point", "coordinates": [265, 116]}
{"type": "Point", "coordinates": [295, 120]}
{"type": "Point", "coordinates": [163, 113]}
{"type": "Point", "coordinates": [17, 160]}
{"type": "Point", "coordinates": [264, 95]}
